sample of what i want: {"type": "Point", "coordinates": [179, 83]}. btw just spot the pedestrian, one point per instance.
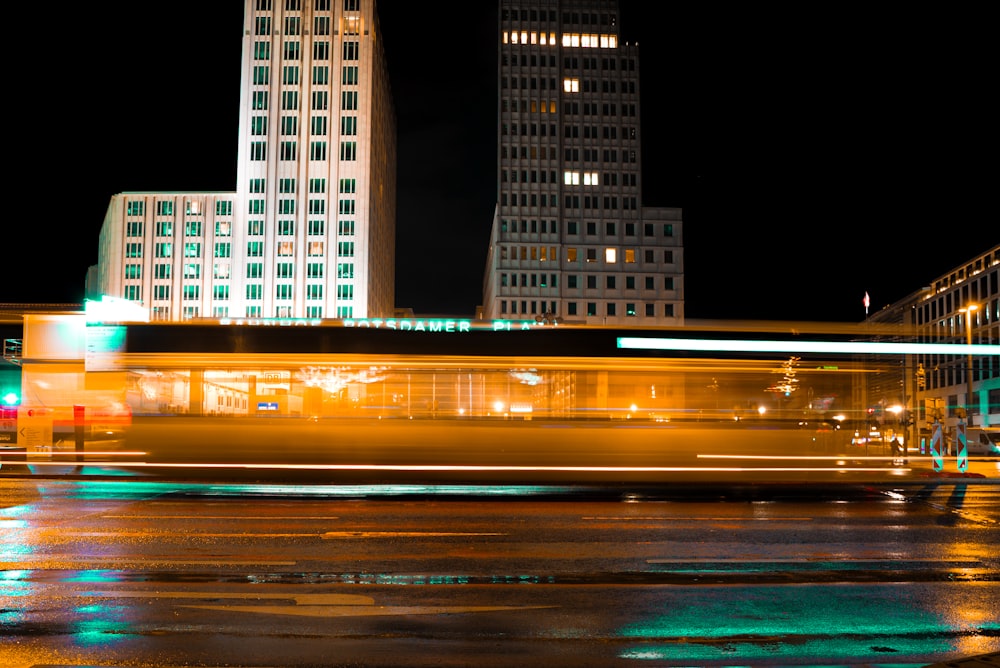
{"type": "Point", "coordinates": [897, 451]}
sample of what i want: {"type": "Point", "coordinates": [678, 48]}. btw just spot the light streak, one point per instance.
{"type": "Point", "coordinates": [485, 468]}
{"type": "Point", "coordinates": [839, 347]}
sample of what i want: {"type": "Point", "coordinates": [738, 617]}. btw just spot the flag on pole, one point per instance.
{"type": "Point", "coordinates": [867, 300]}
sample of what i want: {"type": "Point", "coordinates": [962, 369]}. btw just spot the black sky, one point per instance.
{"type": "Point", "coordinates": [818, 151]}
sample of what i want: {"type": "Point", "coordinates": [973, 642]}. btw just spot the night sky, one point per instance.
{"type": "Point", "coordinates": [818, 151]}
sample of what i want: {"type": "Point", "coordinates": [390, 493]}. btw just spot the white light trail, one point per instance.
{"type": "Point", "coordinates": [837, 347]}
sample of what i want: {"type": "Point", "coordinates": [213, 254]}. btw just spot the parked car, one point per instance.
{"type": "Point", "coordinates": [982, 441]}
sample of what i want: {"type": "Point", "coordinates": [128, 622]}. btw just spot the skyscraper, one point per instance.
{"type": "Point", "coordinates": [570, 238]}
{"type": "Point", "coordinates": [310, 230]}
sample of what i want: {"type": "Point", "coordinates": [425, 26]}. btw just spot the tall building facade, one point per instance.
{"type": "Point", "coordinates": [310, 230]}
{"type": "Point", "coordinates": [570, 238]}
{"type": "Point", "coordinates": [960, 306]}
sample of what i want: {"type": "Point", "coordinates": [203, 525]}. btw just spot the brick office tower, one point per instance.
{"type": "Point", "coordinates": [570, 237]}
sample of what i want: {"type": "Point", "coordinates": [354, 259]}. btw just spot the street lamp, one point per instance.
{"type": "Point", "coordinates": [968, 310]}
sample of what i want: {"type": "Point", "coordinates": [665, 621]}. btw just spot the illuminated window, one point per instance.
{"type": "Point", "coordinates": [590, 179]}
{"type": "Point", "coordinates": [192, 250]}
{"type": "Point", "coordinates": [571, 85]}
{"type": "Point", "coordinates": [315, 249]}
{"type": "Point", "coordinates": [571, 178]}
{"type": "Point", "coordinates": [610, 255]}
{"type": "Point", "coordinates": [223, 228]}
{"type": "Point", "coordinates": [630, 256]}
{"type": "Point", "coordinates": [286, 248]}
{"type": "Point", "coordinates": [192, 270]}
{"type": "Point", "coordinates": [221, 270]}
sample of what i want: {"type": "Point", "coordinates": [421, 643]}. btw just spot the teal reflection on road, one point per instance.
{"type": "Point", "coordinates": [99, 624]}
{"type": "Point", "coordinates": [795, 621]}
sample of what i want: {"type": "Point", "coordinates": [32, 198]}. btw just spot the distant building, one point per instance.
{"type": "Point", "coordinates": [570, 238]}
{"type": "Point", "coordinates": [960, 306]}
{"type": "Point", "coordinates": [310, 230]}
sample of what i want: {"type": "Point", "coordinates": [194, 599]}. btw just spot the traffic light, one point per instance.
{"type": "Point", "coordinates": [9, 398]}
